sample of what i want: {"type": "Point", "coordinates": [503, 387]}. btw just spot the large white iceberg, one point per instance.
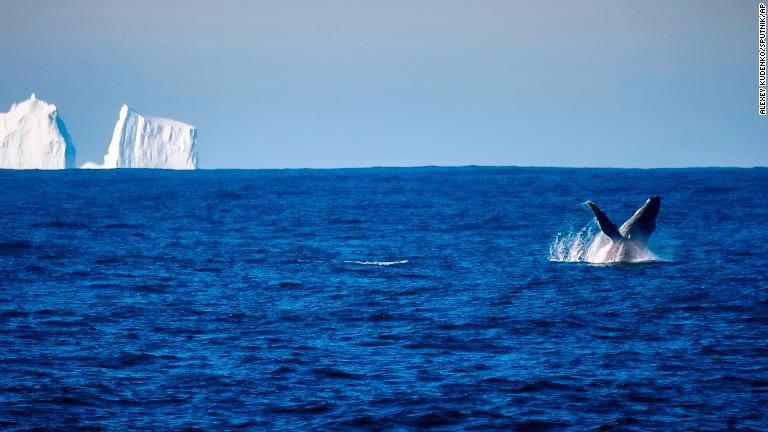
{"type": "Point", "coordinates": [33, 136]}
{"type": "Point", "coordinates": [150, 142]}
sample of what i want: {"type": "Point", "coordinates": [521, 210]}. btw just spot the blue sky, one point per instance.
{"type": "Point", "coordinates": [274, 84]}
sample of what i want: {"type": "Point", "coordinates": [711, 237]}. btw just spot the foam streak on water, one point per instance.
{"type": "Point", "coordinates": [377, 263]}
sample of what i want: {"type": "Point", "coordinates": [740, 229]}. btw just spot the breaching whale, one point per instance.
{"type": "Point", "coordinates": [628, 242]}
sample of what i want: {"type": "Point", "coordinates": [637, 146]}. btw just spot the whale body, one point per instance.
{"type": "Point", "coordinates": [627, 243]}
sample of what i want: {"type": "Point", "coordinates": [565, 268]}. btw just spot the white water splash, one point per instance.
{"type": "Point", "coordinates": [377, 263]}
{"type": "Point", "coordinates": [592, 246]}
{"type": "Point", "coordinates": [571, 246]}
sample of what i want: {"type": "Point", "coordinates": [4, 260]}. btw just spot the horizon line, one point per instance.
{"type": "Point", "coordinates": [584, 167]}
{"type": "Point", "coordinates": [486, 166]}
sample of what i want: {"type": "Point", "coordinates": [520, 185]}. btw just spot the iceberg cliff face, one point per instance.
{"type": "Point", "coordinates": [33, 136]}
{"type": "Point", "coordinates": [149, 142]}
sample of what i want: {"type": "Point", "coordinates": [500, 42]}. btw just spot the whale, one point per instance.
{"type": "Point", "coordinates": [626, 243]}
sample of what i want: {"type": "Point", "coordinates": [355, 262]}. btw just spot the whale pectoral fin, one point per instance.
{"type": "Point", "coordinates": [606, 226]}
{"type": "Point", "coordinates": [642, 224]}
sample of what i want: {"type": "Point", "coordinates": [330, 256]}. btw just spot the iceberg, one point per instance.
{"type": "Point", "coordinates": [150, 142]}
{"type": "Point", "coordinates": [33, 136]}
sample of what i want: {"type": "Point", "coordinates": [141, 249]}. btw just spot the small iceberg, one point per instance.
{"type": "Point", "coordinates": [33, 136]}
{"type": "Point", "coordinates": [150, 142]}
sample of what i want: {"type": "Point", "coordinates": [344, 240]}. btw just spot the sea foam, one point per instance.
{"type": "Point", "coordinates": [377, 263]}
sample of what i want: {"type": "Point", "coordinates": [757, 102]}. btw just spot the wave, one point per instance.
{"type": "Point", "coordinates": [592, 246]}
{"type": "Point", "coordinates": [15, 245]}
{"type": "Point", "coordinates": [377, 263]}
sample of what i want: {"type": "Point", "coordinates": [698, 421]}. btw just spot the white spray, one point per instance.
{"type": "Point", "coordinates": [592, 246]}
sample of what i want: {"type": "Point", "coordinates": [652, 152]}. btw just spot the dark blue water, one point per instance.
{"type": "Point", "coordinates": [222, 300]}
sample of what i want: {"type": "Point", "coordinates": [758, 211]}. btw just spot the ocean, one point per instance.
{"type": "Point", "coordinates": [380, 299]}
